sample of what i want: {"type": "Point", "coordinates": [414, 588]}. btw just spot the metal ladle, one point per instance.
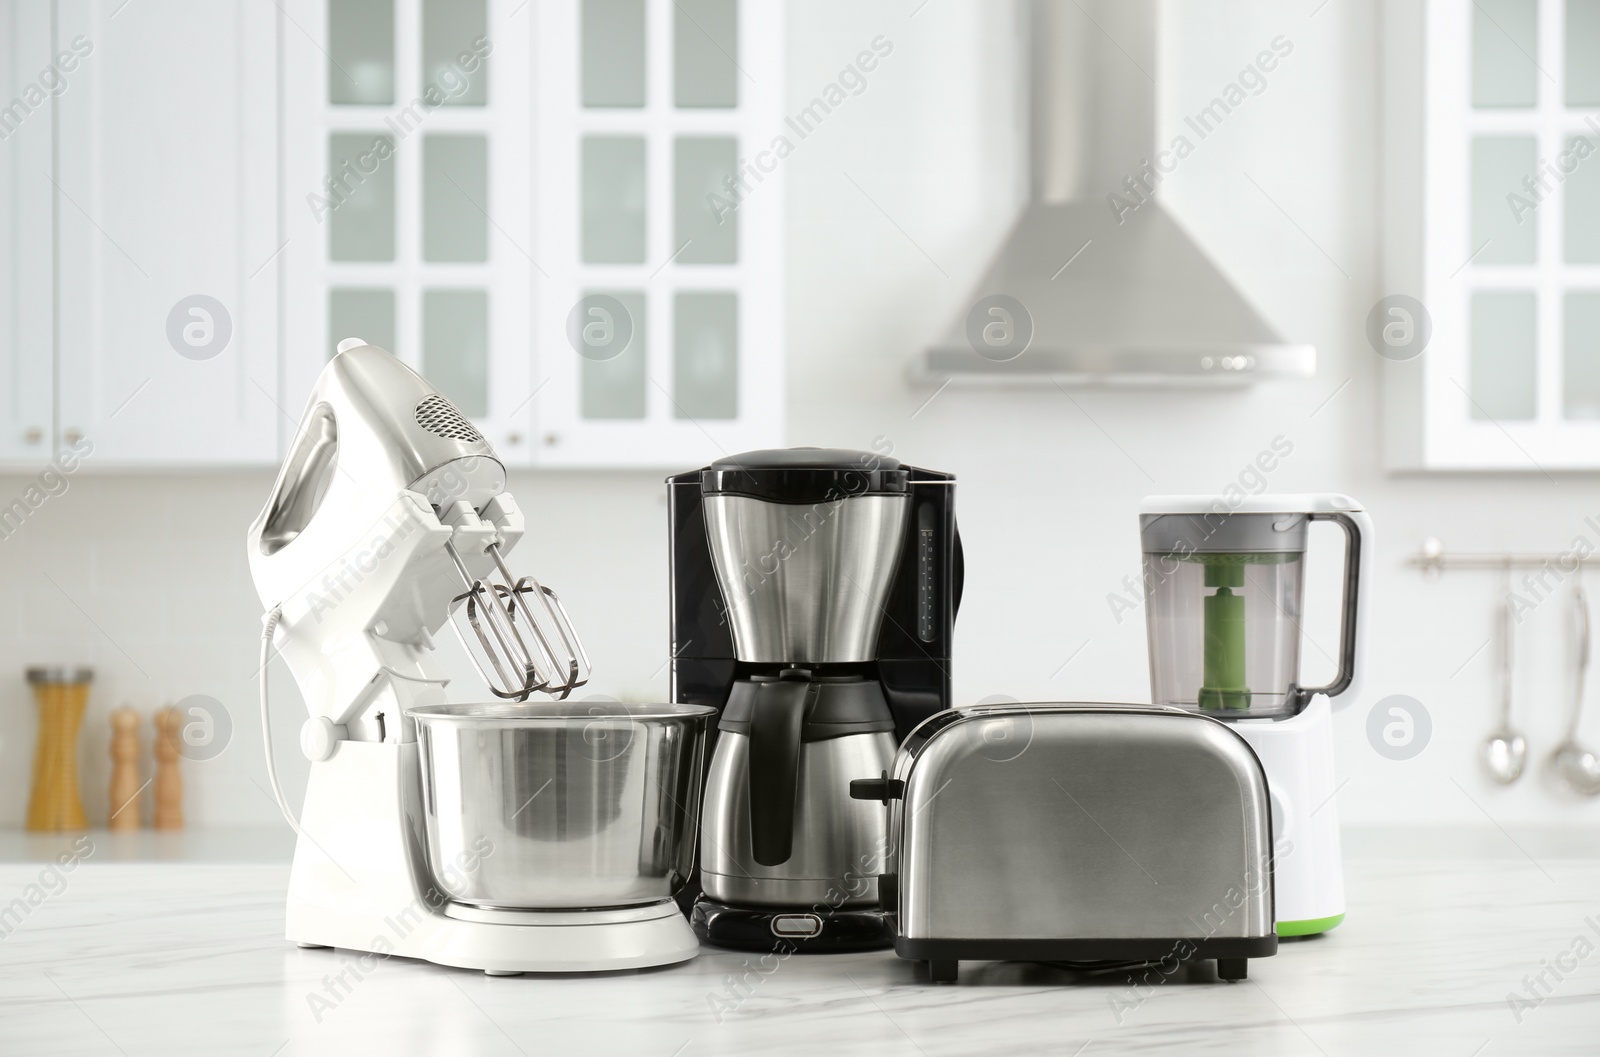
{"type": "Point", "coordinates": [1505, 752]}
{"type": "Point", "coordinates": [1576, 765]}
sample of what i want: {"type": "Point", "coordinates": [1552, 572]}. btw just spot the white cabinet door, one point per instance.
{"type": "Point", "coordinates": [1490, 327]}
{"type": "Point", "coordinates": [406, 197]}
{"type": "Point", "coordinates": [460, 177]}
{"type": "Point", "coordinates": [659, 331]}
{"type": "Point", "coordinates": [28, 74]}
{"type": "Point", "coordinates": [165, 194]}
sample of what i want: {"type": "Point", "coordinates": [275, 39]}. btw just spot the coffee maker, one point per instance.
{"type": "Point", "coordinates": [814, 592]}
{"type": "Point", "coordinates": [1224, 584]}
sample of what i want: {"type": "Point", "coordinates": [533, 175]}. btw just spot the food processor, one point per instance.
{"type": "Point", "coordinates": [1224, 585]}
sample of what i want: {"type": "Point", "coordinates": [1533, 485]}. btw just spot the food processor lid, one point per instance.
{"type": "Point", "coordinates": [1219, 524]}
{"type": "Point", "coordinates": [805, 475]}
{"type": "Point", "coordinates": [1194, 535]}
{"type": "Point", "coordinates": [1309, 503]}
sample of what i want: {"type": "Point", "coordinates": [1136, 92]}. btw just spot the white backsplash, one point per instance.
{"type": "Point", "coordinates": [144, 576]}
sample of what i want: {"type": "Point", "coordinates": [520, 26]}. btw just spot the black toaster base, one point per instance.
{"type": "Point", "coordinates": [944, 956]}
{"type": "Point", "coordinates": [790, 931]}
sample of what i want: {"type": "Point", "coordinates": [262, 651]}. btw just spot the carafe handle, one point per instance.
{"type": "Point", "coordinates": [776, 718]}
{"type": "Point", "coordinates": [1357, 568]}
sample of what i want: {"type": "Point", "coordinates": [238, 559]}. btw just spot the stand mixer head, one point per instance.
{"type": "Point", "coordinates": [388, 517]}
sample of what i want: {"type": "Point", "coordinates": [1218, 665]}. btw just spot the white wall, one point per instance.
{"type": "Point", "coordinates": [1048, 489]}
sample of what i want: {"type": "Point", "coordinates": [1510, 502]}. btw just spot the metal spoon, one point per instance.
{"type": "Point", "coordinates": [1505, 752]}
{"type": "Point", "coordinates": [1576, 765]}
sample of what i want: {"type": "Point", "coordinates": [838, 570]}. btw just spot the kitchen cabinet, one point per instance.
{"type": "Point", "coordinates": [1492, 235]}
{"type": "Point", "coordinates": [166, 290]}
{"type": "Point", "coordinates": [661, 189]}
{"type": "Point", "coordinates": [27, 253]}
{"type": "Point", "coordinates": [406, 198]}
{"type": "Point", "coordinates": [228, 189]}
{"type": "Point", "coordinates": [464, 179]}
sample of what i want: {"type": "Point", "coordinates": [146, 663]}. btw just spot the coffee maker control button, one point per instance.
{"type": "Point", "coordinates": [796, 926]}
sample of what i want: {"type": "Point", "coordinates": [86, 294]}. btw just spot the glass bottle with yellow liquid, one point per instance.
{"type": "Point", "coordinates": [61, 694]}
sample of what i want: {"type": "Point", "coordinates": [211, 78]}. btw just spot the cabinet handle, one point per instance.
{"type": "Point", "coordinates": [552, 439]}
{"type": "Point", "coordinates": [73, 436]}
{"type": "Point", "coordinates": [513, 438]}
{"type": "Point", "coordinates": [34, 435]}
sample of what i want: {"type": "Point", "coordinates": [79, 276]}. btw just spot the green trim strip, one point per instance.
{"type": "Point", "coordinates": [1309, 927]}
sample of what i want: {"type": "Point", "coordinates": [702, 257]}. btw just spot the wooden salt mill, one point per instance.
{"type": "Point", "coordinates": [61, 694]}
{"type": "Point", "coordinates": [125, 784]}
{"type": "Point", "coordinates": [168, 812]}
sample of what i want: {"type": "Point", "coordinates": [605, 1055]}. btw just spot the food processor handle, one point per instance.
{"type": "Point", "coordinates": [776, 717]}
{"type": "Point", "coordinates": [1357, 573]}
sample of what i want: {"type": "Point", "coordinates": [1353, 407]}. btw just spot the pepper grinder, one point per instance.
{"type": "Point", "coordinates": [168, 812]}
{"type": "Point", "coordinates": [61, 694]}
{"type": "Point", "coordinates": [125, 785]}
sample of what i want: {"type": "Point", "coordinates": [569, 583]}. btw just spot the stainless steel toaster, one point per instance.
{"type": "Point", "coordinates": [1076, 833]}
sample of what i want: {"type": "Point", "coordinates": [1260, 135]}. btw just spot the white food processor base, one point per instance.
{"type": "Point", "coordinates": [1308, 869]}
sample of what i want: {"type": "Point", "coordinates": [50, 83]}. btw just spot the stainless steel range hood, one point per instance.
{"type": "Point", "coordinates": [1117, 291]}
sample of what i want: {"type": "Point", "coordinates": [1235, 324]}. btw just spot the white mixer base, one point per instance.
{"type": "Point", "coordinates": [508, 941]}
{"type": "Point", "coordinates": [356, 884]}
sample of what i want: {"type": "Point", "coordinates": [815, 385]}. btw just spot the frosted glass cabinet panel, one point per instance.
{"type": "Point", "coordinates": [1580, 360]}
{"type": "Point", "coordinates": [613, 53]}
{"type": "Point", "coordinates": [455, 347]}
{"type": "Point", "coordinates": [705, 53]}
{"type": "Point", "coordinates": [614, 195]}
{"type": "Point", "coordinates": [455, 197]}
{"type": "Point", "coordinates": [1504, 41]}
{"type": "Point", "coordinates": [1581, 231]}
{"type": "Point", "coordinates": [1583, 53]}
{"type": "Point", "coordinates": [705, 226]}
{"type": "Point", "coordinates": [454, 33]}
{"type": "Point", "coordinates": [613, 387]}
{"type": "Point", "coordinates": [361, 52]}
{"type": "Point", "coordinates": [1501, 234]}
{"type": "Point", "coordinates": [360, 210]}
{"type": "Point", "coordinates": [1504, 362]}
{"type": "Point", "coordinates": [705, 356]}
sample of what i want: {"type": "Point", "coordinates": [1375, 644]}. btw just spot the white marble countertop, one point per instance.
{"type": "Point", "coordinates": [176, 958]}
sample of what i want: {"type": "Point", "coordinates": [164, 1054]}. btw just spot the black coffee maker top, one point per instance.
{"type": "Point", "coordinates": [805, 475]}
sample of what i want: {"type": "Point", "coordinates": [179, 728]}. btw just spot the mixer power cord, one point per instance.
{"type": "Point", "coordinates": [269, 628]}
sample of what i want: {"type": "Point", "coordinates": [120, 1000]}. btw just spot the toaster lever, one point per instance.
{"type": "Point", "coordinates": [882, 789]}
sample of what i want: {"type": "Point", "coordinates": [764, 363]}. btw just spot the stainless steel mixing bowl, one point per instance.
{"type": "Point", "coordinates": [567, 804]}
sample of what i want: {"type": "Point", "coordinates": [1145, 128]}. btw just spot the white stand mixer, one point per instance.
{"type": "Point", "coordinates": [389, 513]}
